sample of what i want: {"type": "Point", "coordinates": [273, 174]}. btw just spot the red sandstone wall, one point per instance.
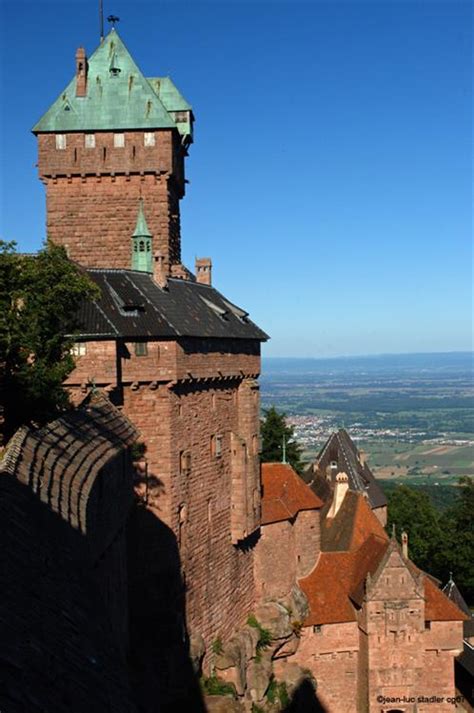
{"type": "Point", "coordinates": [332, 656]}
{"type": "Point", "coordinates": [275, 560]}
{"type": "Point", "coordinates": [307, 541]}
{"type": "Point", "coordinates": [199, 502]}
{"type": "Point", "coordinates": [93, 194]}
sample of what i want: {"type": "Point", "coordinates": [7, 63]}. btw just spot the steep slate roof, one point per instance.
{"type": "Point", "coordinates": [341, 448]}
{"type": "Point", "coordinates": [114, 102]}
{"type": "Point", "coordinates": [284, 494]}
{"type": "Point", "coordinates": [452, 592]}
{"type": "Point", "coordinates": [133, 305]}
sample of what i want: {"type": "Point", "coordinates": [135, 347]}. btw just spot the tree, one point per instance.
{"type": "Point", "coordinates": [40, 297]}
{"type": "Point", "coordinates": [457, 550]}
{"type": "Point", "coordinates": [275, 432]}
{"type": "Point", "coordinates": [412, 510]}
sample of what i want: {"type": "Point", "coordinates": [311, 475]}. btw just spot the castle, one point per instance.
{"type": "Point", "coordinates": [217, 537]}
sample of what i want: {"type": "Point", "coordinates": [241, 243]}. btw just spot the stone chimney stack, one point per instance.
{"type": "Point", "coordinates": [160, 270]}
{"type": "Point", "coordinates": [340, 489]}
{"type": "Point", "coordinates": [81, 72]}
{"type": "Point", "coordinates": [204, 270]}
{"type": "Point", "coordinates": [404, 545]}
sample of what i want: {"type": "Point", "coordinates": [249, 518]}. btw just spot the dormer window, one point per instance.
{"type": "Point", "coordinates": [61, 141]}
{"type": "Point", "coordinates": [181, 116]}
{"type": "Point", "coordinates": [119, 141]}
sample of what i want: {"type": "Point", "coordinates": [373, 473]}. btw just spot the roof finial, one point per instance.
{"type": "Point", "coordinates": [101, 20]}
{"type": "Point", "coordinates": [113, 19]}
{"type": "Point", "coordinates": [394, 531]}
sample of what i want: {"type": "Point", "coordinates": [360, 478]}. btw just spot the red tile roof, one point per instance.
{"type": "Point", "coordinates": [337, 575]}
{"type": "Point", "coordinates": [284, 493]}
{"type": "Point", "coordinates": [354, 522]}
{"type": "Point", "coordinates": [335, 587]}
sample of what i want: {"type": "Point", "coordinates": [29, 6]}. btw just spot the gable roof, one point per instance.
{"type": "Point", "coordinates": [354, 544]}
{"type": "Point", "coordinates": [284, 494]}
{"type": "Point", "coordinates": [341, 448]}
{"type": "Point", "coordinates": [132, 305]}
{"type": "Point", "coordinates": [115, 101]}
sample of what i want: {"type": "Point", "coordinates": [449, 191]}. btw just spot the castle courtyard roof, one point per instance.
{"type": "Point", "coordinates": [284, 493]}
{"type": "Point", "coordinates": [132, 305]}
{"type": "Point", "coordinates": [353, 523]}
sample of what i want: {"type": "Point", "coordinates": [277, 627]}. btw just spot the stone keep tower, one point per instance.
{"type": "Point", "coordinates": [111, 139]}
{"type": "Point", "coordinates": [180, 359]}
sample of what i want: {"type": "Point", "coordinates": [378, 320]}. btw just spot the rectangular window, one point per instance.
{"type": "Point", "coordinates": [216, 446]}
{"type": "Point", "coordinates": [141, 349]}
{"type": "Point", "coordinates": [78, 349]}
{"type": "Point", "coordinates": [61, 141]}
{"type": "Point", "coordinates": [149, 138]}
{"type": "Point", "coordinates": [318, 629]}
{"type": "Point", "coordinates": [427, 624]}
{"type": "Point", "coordinates": [119, 141]}
{"type": "Point", "coordinates": [185, 462]}
{"type": "Point", "coordinates": [89, 141]}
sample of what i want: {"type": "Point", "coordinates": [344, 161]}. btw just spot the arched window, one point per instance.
{"type": "Point", "coordinates": [142, 246]}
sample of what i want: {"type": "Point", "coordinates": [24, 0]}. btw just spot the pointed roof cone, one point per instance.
{"type": "Point", "coordinates": [451, 591]}
{"type": "Point", "coordinates": [115, 101]}
{"type": "Point", "coordinates": [141, 227]}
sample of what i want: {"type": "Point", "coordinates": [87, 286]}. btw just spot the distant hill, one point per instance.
{"type": "Point", "coordinates": [381, 363]}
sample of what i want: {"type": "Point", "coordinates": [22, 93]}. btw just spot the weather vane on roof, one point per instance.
{"type": "Point", "coordinates": [113, 19]}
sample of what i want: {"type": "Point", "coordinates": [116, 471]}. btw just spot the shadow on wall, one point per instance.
{"type": "Point", "coordinates": [305, 700]}
{"type": "Point", "coordinates": [57, 648]}
{"type": "Point", "coordinates": [162, 674]}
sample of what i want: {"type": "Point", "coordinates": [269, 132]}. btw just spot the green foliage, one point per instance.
{"type": "Point", "coordinates": [264, 636]}
{"type": "Point", "coordinates": [274, 431]}
{"type": "Point", "coordinates": [39, 300]}
{"type": "Point", "coordinates": [217, 646]}
{"type": "Point", "coordinates": [138, 450]}
{"type": "Point", "coordinates": [213, 686]}
{"type": "Point", "coordinates": [438, 542]}
{"type": "Point", "coordinates": [257, 709]}
{"type": "Point", "coordinates": [413, 511]}
{"type": "Point", "coordinates": [457, 553]}
{"type": "Point", "coordinates": [277, 692]}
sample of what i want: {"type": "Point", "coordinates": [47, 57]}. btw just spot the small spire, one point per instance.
{"type": "Point", "coordinates": [141, 228]}
{"type": "Point", "coordinates": [394, 532]}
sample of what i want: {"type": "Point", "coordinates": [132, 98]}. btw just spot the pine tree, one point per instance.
{"type": "Point", "coordinates": [277, 436]}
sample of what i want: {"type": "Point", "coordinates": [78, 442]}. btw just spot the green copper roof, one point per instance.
{"type": "Point", "coordinates": [172, 99]}
{"type": "Point", "coordinates": [118, 97]}
{"type": "Point", "coordinates": [141, 243]}
{"type": "Point", "coordinates": [141, 228]}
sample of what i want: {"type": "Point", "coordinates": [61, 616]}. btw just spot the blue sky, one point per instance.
{"type": "Point", "coordinates": [331, 171]}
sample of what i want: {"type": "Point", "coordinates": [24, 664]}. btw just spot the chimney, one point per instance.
{"type": "Point", "coordinates": [363, 457]}
{"type": "Point", "coordinates": [204, 270]}
{"type": "Point", "coordinates": [160, 270]}
{"type": "Point", "coordinates": [404, 545]}
{"type": "Point", "coordinates": [340, 489]}
{"type": "Point", "coordinates": [81, 72]}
